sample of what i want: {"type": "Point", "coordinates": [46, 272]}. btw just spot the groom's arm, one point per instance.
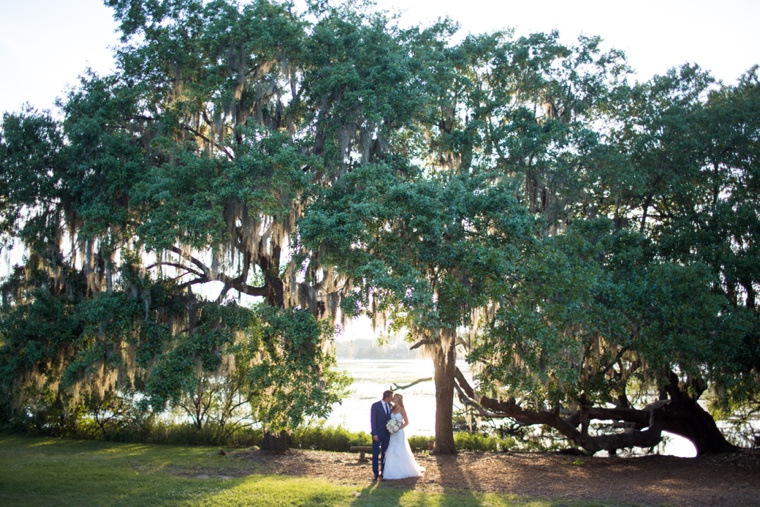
{"type": "Point", "coordinates": [373, 425]}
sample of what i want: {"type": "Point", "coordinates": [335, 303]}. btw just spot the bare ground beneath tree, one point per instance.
{"type": "Point", "coordinates": [722, 480]}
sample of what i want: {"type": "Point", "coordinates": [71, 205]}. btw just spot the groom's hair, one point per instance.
{"type": "Point", "coordinates": [387, 394]}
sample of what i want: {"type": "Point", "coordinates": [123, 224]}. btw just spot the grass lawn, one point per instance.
{"type": "Point", "coordinates": [48, 471]}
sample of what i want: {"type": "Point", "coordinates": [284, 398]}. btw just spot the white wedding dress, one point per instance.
{"type": "Point", "coordinates": [399, 460]}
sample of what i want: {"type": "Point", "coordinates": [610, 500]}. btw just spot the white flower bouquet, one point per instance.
{"type": "Point", "coordinates": [393, 425]}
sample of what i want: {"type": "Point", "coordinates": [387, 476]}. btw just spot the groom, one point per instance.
{"type": "Point", "coordinates": [381, 413]}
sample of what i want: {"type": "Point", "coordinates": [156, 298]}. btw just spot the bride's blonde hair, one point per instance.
{"type": "Point", "coordinates": [399, 400]}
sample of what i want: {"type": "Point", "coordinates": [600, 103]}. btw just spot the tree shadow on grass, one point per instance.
{"type": "Point", "coordinates": [459, 492]}
{"type": "Point", "coordinates": [439, 470]}
{"type": "Point", "coordinates": [385, 493]}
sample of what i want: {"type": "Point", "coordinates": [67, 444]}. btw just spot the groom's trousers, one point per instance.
{"type": "Point", "coordinates": [378, 453]}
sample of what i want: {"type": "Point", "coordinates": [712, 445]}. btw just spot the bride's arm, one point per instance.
{"type": "Point", "coordinates": [406, 419]}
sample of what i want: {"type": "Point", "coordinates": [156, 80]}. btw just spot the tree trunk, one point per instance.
{"type": "Point", "coordinates": [685, 417]}
{"type": "Point", "coordinates": [275, 442]}
{"type": "Point", "coordinates": [444, 361]}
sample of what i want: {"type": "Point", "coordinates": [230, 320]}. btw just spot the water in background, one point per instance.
{"type": "Point", "coordinates": [373, 376]}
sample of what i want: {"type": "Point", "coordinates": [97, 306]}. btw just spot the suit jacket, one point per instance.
{"type": "Point", "coordinates": [379, 418]}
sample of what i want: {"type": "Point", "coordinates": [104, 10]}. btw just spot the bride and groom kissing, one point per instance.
{"type": "Point", "coordinates": [392, 456]}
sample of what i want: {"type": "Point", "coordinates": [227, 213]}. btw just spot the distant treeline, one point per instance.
{"type": "Point", "coordinates": [371, 349]}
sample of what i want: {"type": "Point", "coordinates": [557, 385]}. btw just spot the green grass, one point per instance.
{"type": "Point", "coordinates": [48, 471]}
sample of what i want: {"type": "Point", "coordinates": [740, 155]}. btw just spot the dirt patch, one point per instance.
{"type": "Point", "coordinates": [723, 480]}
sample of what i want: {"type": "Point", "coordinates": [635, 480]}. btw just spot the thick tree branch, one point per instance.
{"type": "Point", "coordinates": [649, 418]}
{"type": "Point", "coordinates": [421, 343]}
{"type": "Point", "coordinates": [212, 143]}
{"type": "Point", "coordinates": [190, 258]}
{"type": "Point", "coordinates": [466, 400]}
{"type": "Point", "coordinates": [205, 275]}
{"type": "Point", "coordinates": [244, 288]}
{"type": "Point", "coordinates": [178, 266]}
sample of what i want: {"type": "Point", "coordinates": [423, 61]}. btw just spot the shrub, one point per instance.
{"type": "Point", "coordinates": [314, 437]}
{"type": "Point", "coordinates": [421, 444]}
{"type": "Point", "coordinates": [479, 442]}
{"type": "Point", "coordinates": [327, 438]}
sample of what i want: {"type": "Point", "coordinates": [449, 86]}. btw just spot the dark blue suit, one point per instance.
{"type": "Point", "coordinates": [379, 418]}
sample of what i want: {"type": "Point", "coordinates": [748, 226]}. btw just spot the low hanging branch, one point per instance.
{"type": "Point", "coordinates": [397, 387]}
{"type": "Point", "coordinates": [644, 426]}
{"type": "Point", "coordinates": [469, 402]}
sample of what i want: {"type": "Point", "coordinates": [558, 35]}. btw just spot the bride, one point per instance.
{"type": "Point", "coordinates": [399, 460]}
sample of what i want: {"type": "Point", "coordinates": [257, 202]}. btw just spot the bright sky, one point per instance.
{"type": "Point", "coordinates": [46, 44]}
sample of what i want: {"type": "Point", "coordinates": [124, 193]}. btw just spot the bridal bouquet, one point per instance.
{"type": "Point", "coordinates": [393, 425]}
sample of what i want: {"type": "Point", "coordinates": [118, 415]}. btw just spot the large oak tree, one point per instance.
{"type": "Point", "coordinates": [581, 240]}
